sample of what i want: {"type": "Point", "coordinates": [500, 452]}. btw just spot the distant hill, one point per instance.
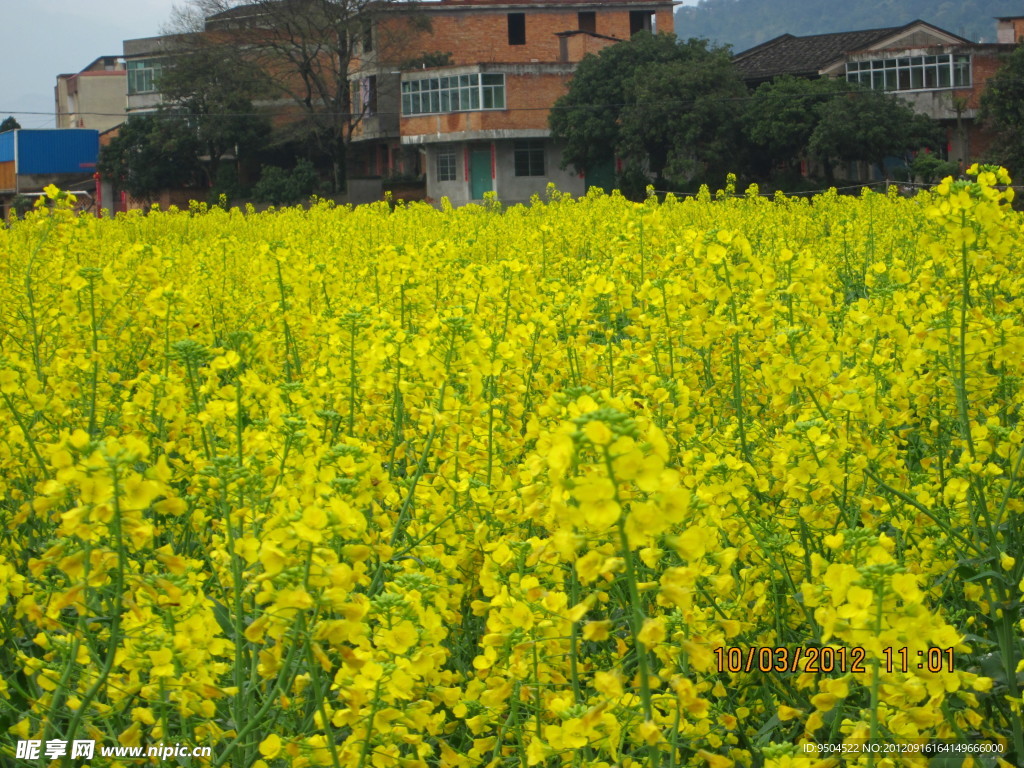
{"type": "Point", "coordinates": [745, 23]}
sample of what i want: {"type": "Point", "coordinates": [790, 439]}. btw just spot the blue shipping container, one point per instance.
{"type": "Point", "coordinates": [64, 150]}
{"type": "Point", "coordinates": [6, 146]}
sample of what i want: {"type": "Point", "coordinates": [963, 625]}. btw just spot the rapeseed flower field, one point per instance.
{"type": "Point", "coordinates": [704, 482]}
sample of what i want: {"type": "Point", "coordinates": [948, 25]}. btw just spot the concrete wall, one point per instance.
{"type": "Point", "coordinates": [143, 102]}
{"type": "Point", "coordinates": [101, 101]}
{"type": "Point", "coordinates": [938, 105]}
{"type": "Point", "coordinates": [60, 97]}
{"type": "Point", "coordinates": [510, 189]}
{"type": "Point", "coordinates": [519, 189]}
{"type": "Point", "coordinates": [36, 182]}
{"type": "Point", "coordinates": [363, 191]}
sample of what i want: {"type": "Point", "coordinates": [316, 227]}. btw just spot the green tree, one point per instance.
{"type": "Point", "coordinates": [1002, 108]}
{"type": "Point", "coordinates": [654, 101]}
{"type": "Point", "coordinates": [213, 87]}
{"type": "Point", "coordinates": [831, 119]}
{"type": "Point", "coordinates": [9, 124]}
{"type": "Point", "coordinates": [685, 118]}
{"type": "Point", "coordinates": [279, 186]}
{"type": "Point", "coordinates": [315, 52]}
{"type": "Point", "coordinates": [150, 153]}
{"type": "Point", "coordinates": [868, 125]}
{"type": "Point", "coordinates": [782, 115]}
{"type": "Point", "coordinates": [931, 169]}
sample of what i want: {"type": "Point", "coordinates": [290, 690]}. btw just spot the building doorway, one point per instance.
{"type": "Point", "coordinates": [601, 175]}
{"type": "Point", "coordinates": [480, 180]}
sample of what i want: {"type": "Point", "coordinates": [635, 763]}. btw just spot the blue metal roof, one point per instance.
{"type": "Point", "coordinates": [6, 146]}
{"type": "Point", "coordinates": [64, 150]}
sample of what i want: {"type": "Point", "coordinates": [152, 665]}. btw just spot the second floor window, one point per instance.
{"type": "Point", "coordinates": [142, 75]}
{"type": "Point", "coordinates": [368, 95]}
{"type": "Point", "coordinates": [912, 73]}
{"type": "Point", "coordinates": [457, 93]}
{"type": "Point", "coordinates": [517, 29]}
{"type": "Point", "coordinates": [641, 21]}
{"type": "Point", "coordinates": [366, 28]}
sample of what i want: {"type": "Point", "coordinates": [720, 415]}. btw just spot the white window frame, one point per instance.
{"type": "Point", "coordinates": [145, 70]}
{"type": "Point", "coordinates": [447, 165]}
{"type": "Point", "coordinates": [475, 92]}
{"type": "Point", "coordinates": [942, 71]}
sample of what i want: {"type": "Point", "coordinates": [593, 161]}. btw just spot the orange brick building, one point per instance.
{"type": "Point", "coordinates": [454, 91]}
{"type": "Point", "coordinates": [478, 122]}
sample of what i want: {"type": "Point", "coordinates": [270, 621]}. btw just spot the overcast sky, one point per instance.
{"type": "Point", "coordinates": [41, 39]}
{"type": "Point", "coordinates": [45, 38]}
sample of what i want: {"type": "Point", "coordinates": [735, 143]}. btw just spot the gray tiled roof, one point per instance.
{"type": "Point", "coordinates": [806, 56]}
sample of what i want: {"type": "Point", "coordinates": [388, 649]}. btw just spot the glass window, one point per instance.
{"type": "Point", "coordinates": [453, 94]}
{"type": "Point", "coordinates": [912, 73]}
{"type": "Point", "coordinates": [529, 157]}
{"type": "Point", "coordinates": [962, 71]}
{"type": "Point", "coordinates": [368, 95]}
{"type": "Point", "coordinates": [446, 165]}
{"type": "Point", "coordinates": [143, 74]}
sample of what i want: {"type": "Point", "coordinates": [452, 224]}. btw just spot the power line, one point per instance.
{"type": "Point", "coordinates": [682, 103]}
{"type": "Point", "coordinates": [554, 107]}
